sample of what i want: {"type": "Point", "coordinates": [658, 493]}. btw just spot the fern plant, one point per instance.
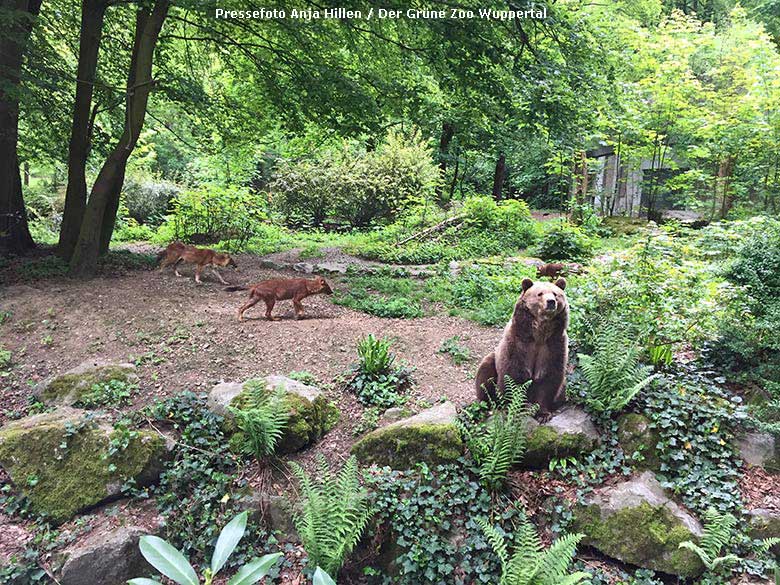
{"type": "Point", "coordinates": [718, 532]}
{"type": "Point", "coordinates": [530, 563]}
{"type": "Point", "coordinates": [261, 417]}
{"type": "Point", "coordinates": [501, 442]}
{"type": "Point", "coordinates": [334, 512]}
{"type": "Point", "coordinates": [613, 371]}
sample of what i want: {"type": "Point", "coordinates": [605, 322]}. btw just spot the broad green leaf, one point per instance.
{"type": "Point", "coordinates": [322, 578]}
{"type": "Point", "coordinates": [227, 541]}
{"type": "Point", "coordinates": [255, 570]}
{"type": "Point", "coordinates": [166, 559]}
{"type": "Point", "coordinates": [143, 581]}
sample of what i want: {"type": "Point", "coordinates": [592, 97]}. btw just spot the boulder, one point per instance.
{"type": "Point", "coordinates": [763, 523]}
{"type": "Point", "coordinates": [104, 558]}
{"type": "Point", "coordinates": [636, 522]}
{"type": "Point", "coordinates": [64, 462]}
{"type": "Point", "coordinates": [635, 435]}
{"type": "Point", "coordinates": [430, 436]}
{"type": "Point", "coordinates": [311, 414]}
{"type": "Point", "coordinates": [760, 449]}
{"type": "Point", "coordinates": [68, 388]}
{"type": "Point", "coordinates": [569, 433]}
{"type": "Point", "coordinates": [273, 511]}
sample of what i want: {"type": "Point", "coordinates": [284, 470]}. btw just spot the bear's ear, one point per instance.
{"type": "Point", "coordinates": [527, 283]}
{"type": "Point", "coordinates": [561, 283]}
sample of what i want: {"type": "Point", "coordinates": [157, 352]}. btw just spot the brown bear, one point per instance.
{"type": "Point", "coordinates": [534, 346]}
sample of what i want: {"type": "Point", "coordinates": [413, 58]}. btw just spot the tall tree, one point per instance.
{"type": "Point", "coordinates": [17, 17]}
{"type": "Point", "coordinates": [97, 225]}
{"type": "Point", "coordinates": [92, 16]}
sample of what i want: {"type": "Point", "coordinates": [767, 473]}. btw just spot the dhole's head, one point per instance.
{"type": "Point", "coordinates": [544, 300]}
{"type": "Point", "coordinates": [225, 260]}
{"type": "Point", "coordinates": [322, 286]}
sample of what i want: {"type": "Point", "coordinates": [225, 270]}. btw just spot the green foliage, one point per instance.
{"type": "Point", "coordinates": [320, 577]}
{"type": "Point", "coordinates": [334, 512]}
{"type": "Point", "coordinates": [147, 200]}
{"type": "Point", "coordinates": [354, 187]}
{"type": "Point", "coordinates": [500, 442]}
{"type": "Point", "coordinates": [382, 295]}
{"type": "Point", "coordinates": [376, 380]}
{"type": "Point", "coordinates": [110, 393]}
{"type": "Point", "coordinates": [718, 534]}
{"type": "Point", "coordinates": [430, 513]}
{"type": "Point", "coordinates": [170, 562]}
{"type": "Point", "coordinates": [613, 371]}
{"type": "Point", "coordinates": [488, 293]}
{"type": "Point", "coordinates": [451, 346]}
{"type": "Point", "coordinates": [563, 241]}
{"type": "Point", "coordinates": [530, 563]}
{"type": "Point", "coordinates": [304, 377]}
{"type": "Point", "coordinates": [262, 419]}
{"type": "Point", "coordinates": [212, 214]}
{"type": "Point", "coordinates": [5, 358]}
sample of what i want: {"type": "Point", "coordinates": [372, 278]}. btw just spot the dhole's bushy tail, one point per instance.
{"type": "Point", "coordinates": [235, 288]}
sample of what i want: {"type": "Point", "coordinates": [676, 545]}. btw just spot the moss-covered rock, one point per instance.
{"type": "Point", "coordinates": [635, 435]}
{"type": "Point", "coordinates": [64, 463]}
{"type": "Point", "coordinates": [763, 523]}
{"type": "Point", "coordinates": [431, 437]}
{"type": "Point", "coordinates": [311, 415]}
{"type": "Point", "coordinates": [569, 433]}
{"type": "Point", "coordinates": [635, 522]}
{"type": "Point", "coordinates": [68, 388]}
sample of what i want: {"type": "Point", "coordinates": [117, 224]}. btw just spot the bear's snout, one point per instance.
{"type": "Point", "coordinates": [551, 304]}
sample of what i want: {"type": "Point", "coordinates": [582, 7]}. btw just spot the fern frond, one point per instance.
{"type": "Point", "coordinates": [496, 541]}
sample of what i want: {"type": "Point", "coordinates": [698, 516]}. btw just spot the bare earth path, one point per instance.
{"type": "Point", "coordinates": [187, 337]}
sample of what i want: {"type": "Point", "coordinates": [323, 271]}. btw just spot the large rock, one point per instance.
{"type": "Point", "coordinates": [760, 449]}
{"type": "Point", "coordinates": [272, 511]}
{"type": "Point", "coordinates": [65, 463]}
{"type": "Point", "coordinates": [68, 388]}
{"type": "Point", "coordinates": [431, 437]}
{"type": "Point", "coordinates": [636, 522]}
{"type": "Point", "coordinates": [105, 558]}
{"type": "Point", "coordinates": [635, 435]}
{"type": "Point", "coordinates": [311, 414]}
{"type": "Point", "coordinates": [764, 523]}
{"type": "Point", "coordinates": [569, 433]}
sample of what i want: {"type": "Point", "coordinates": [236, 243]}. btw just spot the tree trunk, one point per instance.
{"type": "Point", "coordinates": [92, 14]}
{"type": "Point", "coordinates": [499, 176]}
{"type": "Point", "coordinates": [725, 170]}
{"type": "Point", "coordinates": [100, 213]}
{"type": "Point", "coordinates": [18, 18]}
{"type": "Point", "coordinates": [447, 132]}
{"type": "Point", "coordinates": [454, 178]}
{"type": "Point", "coordinates": [26, 174]}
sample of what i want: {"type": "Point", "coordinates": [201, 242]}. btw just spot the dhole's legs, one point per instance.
{"type": "Point", "coordinates": [167, 261]}
{"type": "Point", "coordinates": [253, 300]}
{"type": "Point", "coordinates": [219, 276]}
{"type": "Point", "coordinates": [198, 270]}
{"type": "Point", "coordinates": [269, 306]}
{"type": "Point", "coordinates": [298, 308]}
{"type": "Point", "coordinates": [176, 266]}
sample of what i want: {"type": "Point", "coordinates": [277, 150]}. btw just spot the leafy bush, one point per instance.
{"type": "Point", "coordinates": [718, 534]}
{"type": "Point", "coordinates": [111, 393]}
{"type": "Point", "coordinates": [530, 563]}
{"type": "Point", "coordinates": [261, 419]}
{"type": "Point", "coordinates": [613, 372]}
{"type": "Point", "coordinates": [147, 200]}
{"type": "Point", "coordinates": [212, 214]}
{"type": "Point", "coordinates": [376, 380]}
{"type": "Point", "coordinates": [334, 512]}
{"type": "Point", "coordinates": [131, 231]}
{"type": "Point", "coordinates": [383, 296]}
{"type": "Point", "coordinates": [174, 565]}
{"type": "Point", "coordinates": [500, 443]}
{"type": "Point", "coordinates": [354, 187]}
{"type": "Point", "coordinates": [563, 241]}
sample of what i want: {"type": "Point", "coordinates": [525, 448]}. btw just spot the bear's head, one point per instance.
{"type": "Point", "coordinates": [543, 300]}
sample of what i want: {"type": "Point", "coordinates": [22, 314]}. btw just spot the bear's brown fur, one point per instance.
{"type": "Point", "coordinates": [534, 347]}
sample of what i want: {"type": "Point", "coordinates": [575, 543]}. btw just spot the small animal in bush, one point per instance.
{"type": "Point", "coordinates": [177, 252]}
{"type": "Point", "coordinates": [534, 346]}
{"type": "Point", "coordinates": [550, 270]}
{"type": "Point", "coordinates": [281, 289]}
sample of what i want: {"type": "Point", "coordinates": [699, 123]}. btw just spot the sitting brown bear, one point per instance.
{"type": "Point", "coordinates": [534, 347]}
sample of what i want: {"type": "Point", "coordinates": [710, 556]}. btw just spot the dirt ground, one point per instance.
{"type": "Point", "coordinates": [187, 337]}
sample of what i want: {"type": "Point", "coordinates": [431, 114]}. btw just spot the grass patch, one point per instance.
{"type": "Point", "coordinates": [383, 296]}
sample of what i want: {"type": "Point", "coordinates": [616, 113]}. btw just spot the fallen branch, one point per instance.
{"type": "Point", "coordinates": [432, 230]}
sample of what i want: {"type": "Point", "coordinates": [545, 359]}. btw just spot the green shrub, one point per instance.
{"type": "Point", "coordinates": [261, 419]}
{"type": "Point", "coordinates": [131, 231]}
{"type": "Point", "coordinates": [382, 295]}
{"type": "Point", "coordinates": [376, 380]}
{"type": "Point", "coordinates": [563, 241]}
{"type": "Point", "coordinates": [530, 563]}
{"type": "Point", "coordinates": [147, 200]}
{"type": "Point", "coordinates": [111, 393]}
{"type": "Point", "coordinates": [334, 512]}
{"type": "Point", "coordinates": [500, 443]}
{"type": "Point", "coordinates": [613, 372]}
